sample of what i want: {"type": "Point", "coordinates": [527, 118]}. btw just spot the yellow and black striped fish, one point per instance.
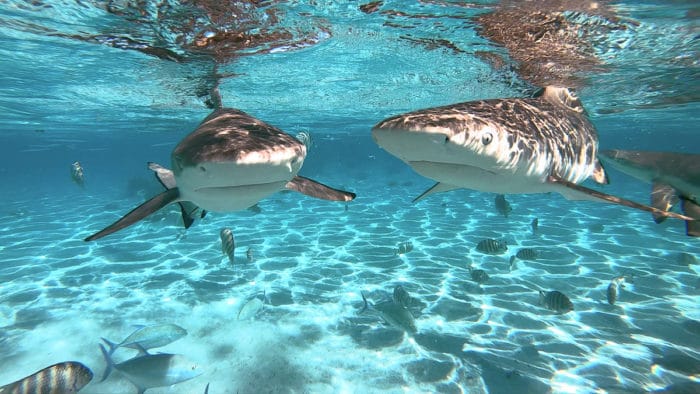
{"type": "Point", "coordinates": [492, 246]}
{"type": "Point", "coordinates": [228, 245]}
{"type": "Point", "coordinates": [62, 378]}
{"type": "Point", "coordinates": [556, 301]}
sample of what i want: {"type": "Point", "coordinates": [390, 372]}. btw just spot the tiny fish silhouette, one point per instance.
{"type": "Point", "coordinates": [556, 301]}
{"type": "Point", "coordinates": [228, 244]}
{"type": "Point", "coordinates": [249, 254]}
{"type": "Point", "coordinates": [502, 205]}
{"type": "Point", "coordinates": [534, 225]}
{"type": "Point", "coordinates": [404, 247]}
{"type": "Point", "coordinates": [77, 173]}
{"type": "Point", "coordinates": [478, 275]}
{"type": "Point", "coordinates": [613, 288]}
{"type": "Point", "coordinates": [492, 246]}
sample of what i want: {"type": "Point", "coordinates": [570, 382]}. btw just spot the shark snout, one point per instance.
{"type": "Point", "coordinates": [411, 145]}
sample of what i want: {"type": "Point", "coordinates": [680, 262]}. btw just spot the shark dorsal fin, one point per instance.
{"type": "Point", "coordinates": [561, 96]}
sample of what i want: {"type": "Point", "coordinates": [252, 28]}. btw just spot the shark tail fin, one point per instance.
{"type": "Point", "coordinates": [318, 190]}
{"type": "Point", "coordinates": [138, 213]}
{"type": "Point", "coordinates": [436, 188]}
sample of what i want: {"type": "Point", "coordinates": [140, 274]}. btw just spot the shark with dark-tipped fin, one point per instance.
{"type": "Point", "coordinates": [506, 146]}
{"type": "Point", "coordinates": [674, 177]}
{"type": "Point", "coordinates": [229, 163]}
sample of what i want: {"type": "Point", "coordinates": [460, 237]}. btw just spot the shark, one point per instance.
{"type": "Point", "coordinates": [674, 177]}
{"type": "Point", "coordinates": [229, 163]}
{"type": "Point", "coordinates": [539, 144]}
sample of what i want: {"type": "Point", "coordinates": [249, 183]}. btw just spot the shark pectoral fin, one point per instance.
{"type": "Point", "coordinates": [138, 213]}
{"type": "Point", "coordinates": [663, 197]}
{"type": "Point", "coordinates": [690, 208]}
{"type": "Point", "coordinates": [164, 175]}
{"type": "Point", "coordinates": [187, 218]}
{"type": "Point", "coordinates": [599, 175]}
{"type": "Point", "coordinates": [318, 190]}
{"type": "Point", "coordinates": [612, 199]}
{"type": "Point", "coordinates": [436, 188]}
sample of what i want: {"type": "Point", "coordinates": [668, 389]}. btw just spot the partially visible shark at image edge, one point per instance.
{"type": "Point", "coordinates": [505, 146]}
{"type": "Point", "coordinates": [229, 163]}
{"type": "Point", "coordinates": [674, 177]}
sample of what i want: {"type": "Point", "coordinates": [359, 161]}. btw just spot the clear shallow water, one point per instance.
{"type": "Point", "coordinates": [114, 110]}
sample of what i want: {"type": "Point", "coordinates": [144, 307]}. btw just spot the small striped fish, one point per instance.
{"type": "Point", "coordinates": [228, 245]}
{"type": "Point", "coordinates": [65, 377]}
{"type": "Point", "coordinates": [76, 172]}
{"type": "Point", "coordinates": [527, 254]}
{"type": "Point", "coordinates": [404, 247]}
{"type": "Point", "coordinates": [492, 246]}
{"type": "Point", "coordinates": [556, 301]}
{"type": "Point", "coordinates": [249, 254]}
{"type": "Point", "coordinates": [534, 225]}
{"type": "Point", "coordinates": [401, 297]}
{"type": "Point", "coordinates": [612, 293]}
{"type": "Point", "coordinates": [479, 276]}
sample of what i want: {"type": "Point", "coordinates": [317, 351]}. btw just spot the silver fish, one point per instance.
{"type": "Point", "coordinates": [65, 377]}
{"type": "Point", "coordinates": [250, 309]}
{"type": "Point", "coordinates": [556, 301]}
{"type": "Point", "coordinates": [393, 314]}
{"type": "Point", "coordinates": [149, 337]}
{"type": "Point", "coordinates": [228, 244]}
{"type": "Point", "coordinates": [478, 275]}
{"type": "Point", "coordinates": [534, 225]}
{"type": "Point", "coordinates": [502, 205]}
{"type": "Point", "coordinates": [249, 254]}
{"type": "Point", "coordinates": [612, 292]}
{"type": "Point", "coordinates": [492, 246]}
{"type": "Point", "coordinates": [404, 247]}
{"type": "Point", "coordinates": [76, 172]}
{"type": "Point", "coordinates": [401, 297]}
{"type": "Point", "coordinates": [153, 370]}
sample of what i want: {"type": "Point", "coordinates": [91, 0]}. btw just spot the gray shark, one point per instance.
{"type": "Point", "coordinates": [674, 177]}
{"type": "Point", "coordinates": [516, 145]}
{"type": "Point", "coordinates": [229, 163]}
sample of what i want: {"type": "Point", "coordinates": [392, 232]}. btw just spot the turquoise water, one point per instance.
{"type": "Point", "coordinates": [67, 95]}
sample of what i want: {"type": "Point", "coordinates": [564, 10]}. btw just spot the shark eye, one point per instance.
{"type": "Point", "coordinates": [486, 138]}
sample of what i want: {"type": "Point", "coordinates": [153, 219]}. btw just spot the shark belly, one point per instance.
{"type": "Point", "coordinates": [231, 198]}
{"type": "Point", "coordinates": [480, 179]}
{"type": "Point", "coordinates": [228, 187]}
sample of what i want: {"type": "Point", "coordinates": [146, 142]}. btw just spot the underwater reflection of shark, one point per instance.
{"type": "Point", "coordinates": [229, 163]}
{"type": "Point", "coordinates": [506, 146]}
{"type": "Point", "coordinates": [674, 177]}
